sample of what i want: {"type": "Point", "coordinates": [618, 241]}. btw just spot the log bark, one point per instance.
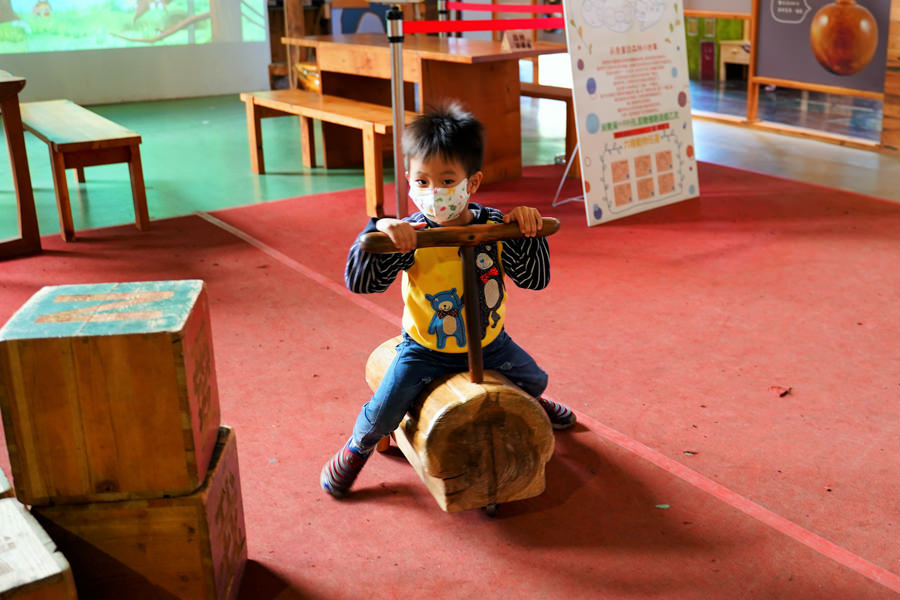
{"type": "Point", "coordinates": [472, 444]}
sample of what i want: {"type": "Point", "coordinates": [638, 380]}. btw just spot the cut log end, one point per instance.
{"type": "Point", "coordinates": [472, 444]}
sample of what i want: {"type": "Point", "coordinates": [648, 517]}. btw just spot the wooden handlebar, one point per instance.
{"type": "Point", "coordinates": [464, 235]}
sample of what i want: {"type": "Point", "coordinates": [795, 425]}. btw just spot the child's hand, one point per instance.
{"type": "Point", "coordinates": [402, 233]}
{"type": "Point", "coordinates": [529, 220]}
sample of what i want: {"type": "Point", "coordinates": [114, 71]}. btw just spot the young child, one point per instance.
{"type": "Point", "coordinates": [445, 149]}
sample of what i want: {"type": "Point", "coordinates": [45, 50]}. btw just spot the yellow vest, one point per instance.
{"type": "Point", "coordinates": [433, 313]}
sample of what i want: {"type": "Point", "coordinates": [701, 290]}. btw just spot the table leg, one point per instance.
{"type": "Point", "coordinates": [58, 166]}
{"type": "Point", "coordinates": [138, 191]}
{"type": "Point", "coordinates": [29, 241]}
{"type": "Point", "coordinates": [308, 142]}
{"type": "Point", "coordinates": [373, 166]}
{"type": "Point", "coordinates": [254, 134]}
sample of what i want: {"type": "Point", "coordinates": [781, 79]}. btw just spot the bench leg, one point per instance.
{"type": "Point", "coordinates": [373, 165]}
{"type": "Point", "coordinates": [307, 142]}
{"type": "Point", "coordinates": [58, 166]}
{"type": "Point", "coordinates": [138, 191]}
{"type": "Point", "coordinates": [79, 175]}
{"type": "Point", "coordinates": [254, 133]}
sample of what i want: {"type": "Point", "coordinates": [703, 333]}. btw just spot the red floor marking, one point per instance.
{"type": "Point", "coordinates": [286, 260]}
{"type": "Point", "coordinates": [745, 505]}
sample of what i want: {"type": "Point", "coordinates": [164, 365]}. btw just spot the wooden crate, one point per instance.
{"type": "Point", "coordinates": [108, 391]}
{"type": "Point", "coordinates": [473, 445]}
{"type": "Point", "coordinates": [191, 547]}
{"type": "Point", "coordinates": [6, 489]}
{"type": "Point", "coordinates": [30, 566]}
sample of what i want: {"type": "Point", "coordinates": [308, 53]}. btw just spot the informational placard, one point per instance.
{"type": "Point", "coordinates": [632, 105]}
{"type": "Point", "coordinates": [840, 44]}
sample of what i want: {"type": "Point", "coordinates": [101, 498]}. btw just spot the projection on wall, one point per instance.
{"type": "Point", "coordinates": [60, 25]}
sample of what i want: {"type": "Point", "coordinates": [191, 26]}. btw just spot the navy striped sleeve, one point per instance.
{"type": "Point", "coordinates": [525, 260]}
{"type": "Point", "coordinates": [369, 273]}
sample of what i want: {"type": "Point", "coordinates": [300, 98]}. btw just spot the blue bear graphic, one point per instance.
{"type": "Point", "coordinates": [447, 320]}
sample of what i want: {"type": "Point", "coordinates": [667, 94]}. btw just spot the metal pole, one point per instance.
{"type": "Point", "coordinates": [443, 15]}
{"type": "Point", "coordinates": [395, 37]}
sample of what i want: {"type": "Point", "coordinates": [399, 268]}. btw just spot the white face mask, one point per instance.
{"type": "Point", "coordinates": [441, 204]}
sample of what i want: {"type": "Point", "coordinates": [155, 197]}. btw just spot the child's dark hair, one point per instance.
{"type": "Point", "coordinates": [450, 132]}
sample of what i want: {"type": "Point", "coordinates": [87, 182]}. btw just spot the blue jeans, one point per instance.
{"type": "Point", "coordinates": [414, 367]}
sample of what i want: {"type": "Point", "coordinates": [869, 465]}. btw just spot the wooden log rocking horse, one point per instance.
{"type": "Point", "coordinates": [476, 440]}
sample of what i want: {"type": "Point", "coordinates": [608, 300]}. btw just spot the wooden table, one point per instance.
{"type": "Point", "coordinates": [477, 72]}
{"type": "Point", "coordinates": [29, 240]}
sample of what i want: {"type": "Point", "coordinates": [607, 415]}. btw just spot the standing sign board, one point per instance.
{"type": "Point", "coordinates": [841, 44]}
{"type": "Point", "coordinates": [632, 105]}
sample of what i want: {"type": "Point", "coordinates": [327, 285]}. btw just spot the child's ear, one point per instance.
{"type": "Point", "coordinates": [475, 181]}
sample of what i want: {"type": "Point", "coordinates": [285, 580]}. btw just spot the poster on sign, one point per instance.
{"type": "Point", "coordinates": [632, 105]}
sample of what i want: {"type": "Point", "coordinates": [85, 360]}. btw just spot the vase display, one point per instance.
{"type": "Point", "coordinates": [843, 36]}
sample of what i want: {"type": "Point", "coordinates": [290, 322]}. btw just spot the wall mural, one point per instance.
{"type": "Point", "coordinates": [60, 25]}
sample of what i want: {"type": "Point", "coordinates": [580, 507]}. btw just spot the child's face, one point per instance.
{"type": "Point", "coordinates": [437, 172]}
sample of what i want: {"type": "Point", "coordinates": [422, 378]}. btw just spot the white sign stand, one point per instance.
{"type": "Point", "coordinates": [632, 105]}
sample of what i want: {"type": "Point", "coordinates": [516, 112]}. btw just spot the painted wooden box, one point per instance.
{"type": "Point", "coordinates": [192, 547]}
{"type": "Point", "coordinates": [473, 445]}
{"type": "Point", "coordinates": [108, 391]}
{"type": "Point", "coordinates": [31, 568]}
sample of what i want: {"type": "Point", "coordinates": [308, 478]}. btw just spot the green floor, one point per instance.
{"type": "Point", "coordinates": [195, 157]}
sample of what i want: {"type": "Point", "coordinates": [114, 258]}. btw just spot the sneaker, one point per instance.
{"type": "Point", "coordinates": [561, 417]}
{"type": "Point", "coordinates": [340, 472]}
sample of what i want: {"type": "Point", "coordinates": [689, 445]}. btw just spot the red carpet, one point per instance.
{"type": "Point", "coordinates": [671, 333]}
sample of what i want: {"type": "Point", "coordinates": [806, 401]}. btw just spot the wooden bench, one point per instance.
{"type": "Point", "coordinates": [563, 94]}
{"type": "Point", "coordinates": [373, 120]}
{"type": "Point", "coordinates": [79, 138]}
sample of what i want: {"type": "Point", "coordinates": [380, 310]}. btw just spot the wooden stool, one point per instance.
{"type": "Point", "coordinates": [474, 445]}
{"type": "Point", "coordinates": [191, 546]}
{"type": "Point", "coordinates": [108, 391]}
{"type": "Point", "coordinates": [79, 138]}
{"type": "Point", "coordinates": [30, 566]}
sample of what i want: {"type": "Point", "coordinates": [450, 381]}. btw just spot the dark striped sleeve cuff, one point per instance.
{"type": "Point", "coordinates": [368, 273]}
{"type": "Point", "coordinates": [527, 262]}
